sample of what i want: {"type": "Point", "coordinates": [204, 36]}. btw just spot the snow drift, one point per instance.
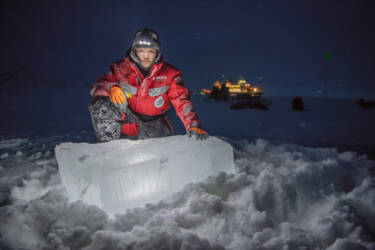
{"type": "Point", "coordinates": [123, 174]}
{"type": "Point", "coordinates": [281, 197]}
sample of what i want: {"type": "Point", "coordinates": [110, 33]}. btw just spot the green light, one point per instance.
{"type": "Point", "coordinates": [328, 57]}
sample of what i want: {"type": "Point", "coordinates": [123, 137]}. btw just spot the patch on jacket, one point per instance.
{"type": "Point", "coordinates": [159, 102]}
{"type": "Point", "coordinates": [159, 78]}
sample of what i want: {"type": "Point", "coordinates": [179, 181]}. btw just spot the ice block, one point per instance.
{"type": "Point", "coordinates": [123, 174]}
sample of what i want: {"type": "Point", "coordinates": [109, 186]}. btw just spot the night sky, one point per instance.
{"type": "Point", "coordinates": [280, 45]}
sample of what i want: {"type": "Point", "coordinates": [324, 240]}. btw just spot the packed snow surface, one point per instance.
{"type": "Point", "coordinates": [292, 189]}
{"type": "Point", "coordinates": [281, 196]}
{"type": "Point", "coordinates": [4, 144]}
{"type": "Point", "coordinates": [123, 174]}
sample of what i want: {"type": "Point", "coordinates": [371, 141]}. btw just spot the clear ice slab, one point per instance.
{"type": "Point", "coordinates": [123, 174]}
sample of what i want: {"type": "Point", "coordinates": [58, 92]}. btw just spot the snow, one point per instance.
{"type": "Point", "coordinates": [3, 156]}
{"type": "Point", "coordinates": [19, 154]}
{"type": "Point", "coordinates": [338, 123]}
{"type": "Point", "coordinates": [281, 195]}
{"type": "Point", "coordinates": [11, 143]}
{"type": "Point", "coordinates": [123, 174]}
{"type": "Point", "coordinates": [295, 187]}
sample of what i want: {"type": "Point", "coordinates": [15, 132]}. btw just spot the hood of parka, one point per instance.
{"type": "Point", "coordinates": [145, 38]}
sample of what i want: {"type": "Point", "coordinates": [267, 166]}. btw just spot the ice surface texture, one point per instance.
{"type": "Point", "coordinates": [123, 174]}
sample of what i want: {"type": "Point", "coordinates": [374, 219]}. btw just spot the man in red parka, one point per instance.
{"type": "Point", "coordinates": [134, 96]}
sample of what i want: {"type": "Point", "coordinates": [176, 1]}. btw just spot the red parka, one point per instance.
{"type": "Point", "coordinates": [152, 95]}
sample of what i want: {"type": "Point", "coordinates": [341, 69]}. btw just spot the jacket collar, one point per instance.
{"type": "Point", "coordinates": [154, 68]}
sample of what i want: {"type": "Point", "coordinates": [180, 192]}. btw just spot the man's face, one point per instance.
{"type": "Point", "coordinates": [146, 56]}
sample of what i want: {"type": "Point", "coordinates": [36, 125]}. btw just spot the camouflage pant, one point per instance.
{"type": "Point", "coordinates": [105, 117]}
{"type": "Point", "coordinates": [106, 120]}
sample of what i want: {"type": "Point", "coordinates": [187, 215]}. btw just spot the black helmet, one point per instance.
{"type": "Point", "coordinates": [145, 38]}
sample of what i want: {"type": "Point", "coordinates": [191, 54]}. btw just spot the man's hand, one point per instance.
{"type": "Point", "coordinates": [199, 134]}
{"type": "Point", "coordinates": [117, 95]}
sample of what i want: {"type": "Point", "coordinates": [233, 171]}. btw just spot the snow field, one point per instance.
{"type": "Point", "coordinates": [281, 197]}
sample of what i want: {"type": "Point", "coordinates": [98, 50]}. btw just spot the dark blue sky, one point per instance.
{"type": "Point", "coordinates": [283, 42]}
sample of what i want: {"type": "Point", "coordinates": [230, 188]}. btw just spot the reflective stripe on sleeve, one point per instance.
{"type": "Point", "coordinates": [158, 91]}
{"type": "Point", "coordinates": [129, 88]}
{"type": "Point", "coordinates": [187, 109]}
{"type": "Point", "coordinates": [110, 85]}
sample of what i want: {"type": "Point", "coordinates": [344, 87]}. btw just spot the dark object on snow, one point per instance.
{"type": "Point", "coordinates": [219, 93]}
{"type": "Point", "coordinates": [249, 105]}
{"type": "Point", "coordinates": [297, 104]}
{"type": "Point", "coordinates": [366, 104]}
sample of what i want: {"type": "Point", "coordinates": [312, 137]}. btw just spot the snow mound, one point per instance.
{"type": "Point", "coordinates": [124, 174]}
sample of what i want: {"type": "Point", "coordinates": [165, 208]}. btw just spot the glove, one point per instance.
{"type": "Point", "coordinates": [199, 134]}
{"type": "Point", "coordinates": [117, 95]}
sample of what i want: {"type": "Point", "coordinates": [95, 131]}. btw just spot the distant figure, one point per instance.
{"type": "Point", "coordinates": [132, 98]}
{"type": "Point", "coordinates": [366, 104]}
{"type": "Point", "coordinates": [361, 101]}
{"type": "Point", "coordinates": [297, 104]}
